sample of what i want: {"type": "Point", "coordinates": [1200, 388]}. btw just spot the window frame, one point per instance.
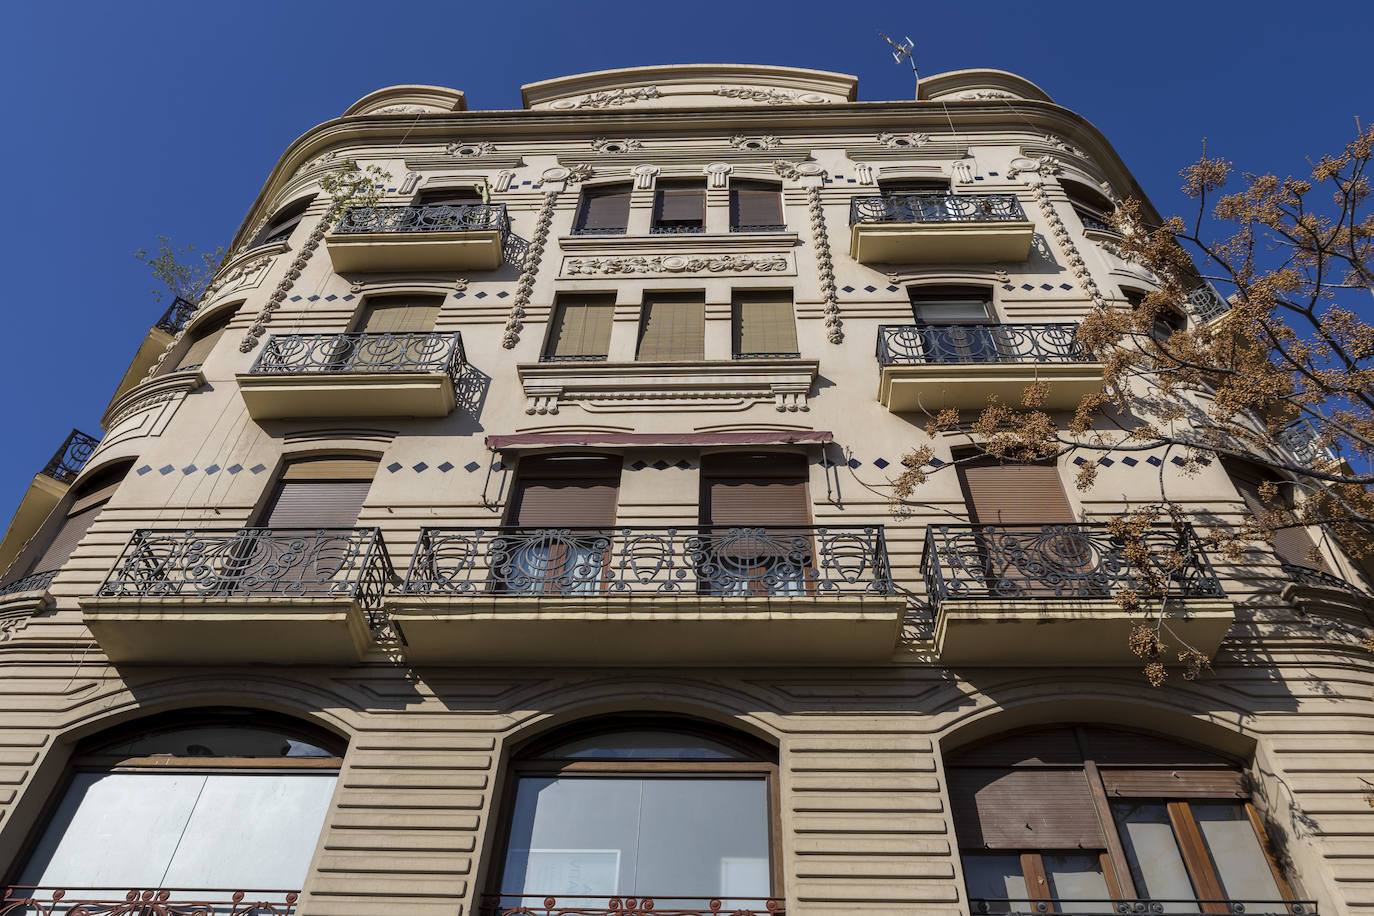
{"type": "Point", "coordinates": [281, 224]}
{"type": "Point", "coordinates": [757, 186]}
{"type": "Point", "coordinates": [591, 192]}
{"type": "Point", "coordinates": [659, 226]}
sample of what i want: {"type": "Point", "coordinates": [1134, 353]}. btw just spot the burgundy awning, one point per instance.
{"type": "Point", "coordinates": [657, 440]}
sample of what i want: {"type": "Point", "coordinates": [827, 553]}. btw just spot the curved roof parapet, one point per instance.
{"type": "Point", "coordinates": [409, 100]}
{"type": "Point", "coordinates": [978, 86]}
{"type": "Point", "coordinates": [689, 85]}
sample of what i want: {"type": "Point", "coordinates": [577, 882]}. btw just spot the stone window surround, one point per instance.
{"type": "Point", "coordinates": [717, 189]}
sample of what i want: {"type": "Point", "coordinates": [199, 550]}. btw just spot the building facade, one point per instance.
{"type": "Point", "coordinates": [520, 541]}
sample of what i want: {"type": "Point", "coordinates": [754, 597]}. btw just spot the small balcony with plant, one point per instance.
{"type": "Point", "coordinates": [939, 228]}
{"type": "Point", "coordinates": [435, 237]}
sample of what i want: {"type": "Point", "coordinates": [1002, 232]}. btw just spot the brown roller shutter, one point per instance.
{"type": "Point", "coordinates": [581, 327]}
{"type": "Point", "coordinates": [363, 469]}
{"type": "Point", "coordinates": [754, 204]}
{"type": "Point", "coordinates": [203, 340]}
{"type": "Point", "coordinates": [1173, 783]}
{"type": "Point", "coordinates": [73, 529]}
{"type": "Point", "coordinates": [399, 315]}
{"type": "Point", "coordinates": [1291, 545]}
{"type": "Point", "coordinates": [320, 493]}
{"type": "Point", "coordinates": [1014, 494]}
{"type": "Point", "coordinates": [1053, 745]}
{"type": "Point", "coordinates": [456, 197]}
{"type": "Point", "coordinates": [764, 324]}
{"type": "Point", "coordinates": [673, 328]}
{"type": "Point", "coordinates": [605, 209]}
{"type": "Point", "coordinates": [755, 490]}
{"type": "Point", "coordinates": [680, 205]}
{"type": "Point", "coordinates": [558, 492]}
{"type": "Point", "coordinates": [1023, 809]}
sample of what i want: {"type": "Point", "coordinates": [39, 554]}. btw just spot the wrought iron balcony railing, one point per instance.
{"type": "Point", "coordinates": [1058, 561]}
{"type": "Point", "coordinates": [68, 461]}
{"type": "Point", "coordinates": [110, 901]}
{"type": "Point", "coordinates": [936, 208]}
{"type": "Point", "coordinates": [676, 229]}
{"type": "Point", "coordinates": [432, 218]}
{"type": "Point", "coordinates": [30, 583]}
{"type": "Point", "coordinates": [1303, 439]}
{"type": "Point", "coordinates": [1094, 221]}
{"type": "Point", "coordinates": [1206, 303]}
{"type": "Point", "coordinates": [291, 354]}
{"type": "Point", "coordinates": [587, 905]}
{"type": "Point", "coordinates": [1140, 907]}
{"type": "Point", "coordinates": [1315, 578]}
{"type": "Point", "coordinates": [758, 227]}
{"type": "Point", "coordinates": [980, 343]}
{"type": "Point", "coordinates": [735, 562]}
{"type": "Point", "coordinates": [176, 316]}
{"type": "Point", "coordinates": [254, 562]}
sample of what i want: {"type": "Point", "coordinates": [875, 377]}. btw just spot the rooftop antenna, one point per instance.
{"type": "Point", "coordinates": [903, 51]}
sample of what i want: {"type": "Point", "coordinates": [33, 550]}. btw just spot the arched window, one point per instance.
{"type": "Point", "coordinates": [666, 809]}
{"type": "Point", "coordinates": [201, 803]}
{"type": "Point", "coordinates": [1096, 814]}
{"type": "Point", "coordinates": [282, 223]}
{"type": "Point", "coordinates": [201, 340]}
{"type": "Point", "coordinates": [1093, 207]}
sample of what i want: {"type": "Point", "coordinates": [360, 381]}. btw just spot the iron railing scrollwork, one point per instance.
{"type": "Point", "coordinates": [759, 227]}
{"type": "Point", "coordinates": [1001, 906]}
{"type": "Point", "coordinates": [365, 353]}
{"type": "Point", "coordinates": [1059, 561]}
{"type": "Point", "coordinates": [31, 583]}
{"type": "Point", "coordinates": [176, 316]}
{"type": "Point", "coordinates": [1304, 440]}
{"type": "Point", "coordinates": [980, 343]}
{"type": "Point", "coordinates": [936, 208]}
{"type": "Point", "coordinates": [432, 218]}
{"type": "Point", "coordinates": [1206, 303]}
{"type": "Point", "coordinates": [255, 562]}
{"type": "Point", "coordinates": [1095, 221]}
{"type": "Point", "coordinates": [68, 460]}
{"type": "Point", "coordinates": [107, 901]}
{"type": "Point", "coordinates": [672, 229]}
{"type": "Point", "coordinates": [721, 561]}
{"type": "Point", "coordinates": [626, 905]}
{"type": "Point", "coordinates": [1315, 578]}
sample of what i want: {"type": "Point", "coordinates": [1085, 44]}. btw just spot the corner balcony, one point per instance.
{"type": "Point", "coordinates": [438, 237]}
{"type": "Point", "coordinates": [44, 492]}
{"type": "Point", "coordinates": [1044, 595]}
{"type": "Point", "coordinates": [939, 229]}
{"type": "Point", "coordinates": [354, 375]}
{"type": "Point", "coordinates": [275, 596]}
{"type": "Point", "coordinates": [933, 367]}
{"type": "Point", "coordinates": [649, 596]}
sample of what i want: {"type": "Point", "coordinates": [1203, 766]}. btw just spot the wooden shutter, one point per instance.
{"type": "Point", "coordinates": [672, 328]}
{"type": "Point", "coordinates": [1014, 494]}
{"type": "Point", "coordinates": [1291, 545]}
{"type": "Point", "coordinates": [1173, 783]}
{"type": "Point", "coordinates": [755, 490]}
{"type": "Point", "coordinates": [755, 204]}
{"type": "Point", "coordinates": [605, 209]}
{"type": "Point", "coordinates": [203, 340]}
{"type": "Point", "coordinates": [399, 315]}
{"type": "Point", "coordinates": [320, 493]}
{"type": "Point", "coordinates": [1023, 808]}
{"type": "Point", "coordinates": [581, 327]}
{"type": "Point", "coordinates": [565, 491]}
{"type": "Point", "coordinates": [73, 529]}
{"type": "Point", "coordinates": [457, 197]}
{"type": "Point", "coordinates": [680, 204]}
{"type": "Point", "coordinates": [764, 324]}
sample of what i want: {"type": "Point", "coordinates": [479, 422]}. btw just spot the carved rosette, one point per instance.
{"type": "Point", "coordinates": [825, 265]}
{"type": "Point", "coordinates": [254, 333]}
{"type": "Point", "coordinates": [524, 288]}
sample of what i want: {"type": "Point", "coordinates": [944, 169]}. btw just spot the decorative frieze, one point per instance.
{"type": "Point", "coordinates": [610, 98]}
{"type": "Point", "coordinates": [902, 141]}
{"type": "Point", "coordinates": [754, 144]}
{"type": "Point", "coordinates": [241, 275]}
{"type": "Point", "coordinates": [615, 147]}
{"type": "Point", "coordinates": [705, 385]}
{"type": "Point", "coordinates": [679, 264]}
{"type": "Point", "coordinates": [770, 96]}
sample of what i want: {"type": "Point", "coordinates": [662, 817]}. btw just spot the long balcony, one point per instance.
{"type": "Point", "coordinates": [958, 366]}
{"type": "Point", "coordinates": [242, 595]}
{"type": "Point", "coordinates": [692, 595]}
{"type": "Point", "coordinates": [626, 905]}
{"type": "Point", "coordinates": [1045, 594]}
{"type": "Point", "coordinates": [44, 492]}
{"type": "Point", "coordinates": [22, 900]}
{"type": "Point", "coordinates": [436, 237]}
{"type": "Point", "coordinates": [939, 228]}
{"type": "Point", "coordinates": [987, 906]}
{"type": "Point", "coordinates": [352, 375]}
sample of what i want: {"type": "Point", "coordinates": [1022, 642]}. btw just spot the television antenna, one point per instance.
{"type": "Point", "coordinates": [902, 51]}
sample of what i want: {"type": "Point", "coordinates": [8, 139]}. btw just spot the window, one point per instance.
{"type": "Point", "coordinates": [399, 315]}
{"type": "Point", "coordinates": [643, 806]}
{"type": "Point", "coordinates": [201, 340]}
{"type": "Point", "coordinates": [560, 508]}
{"type": "Point", "coordinates": [195, 802]}
{"type": "Point", "coordinates": [759, 512]}
{"type": "Point", "coordinates": [955, 324]}
{"type": "Point", "coordinates": [280, 226]}
{"type": "Point", "coordinates": [898, 187]}
{"type": "Point", "coordinates": [1097, 814]}
{"type": "Point", "coordinates": [450, 197]}
{"type": "Point", "coordinates": [672, 328]}
{"type": "Point", "coordinates": [605, 210]}
{"type": "Point", "coordinates": [1092, 206]}
{"type": "Point", "coordinates": [755, 206]}
{"type": "Point", "coordinates": [1166, 321]}
{"type": "Point", "coordinates": [581, 328]}
{"type": "Point", "coordinates": [1293, 546]}
{"type": "Point", "coordinates": [88, 500]}
{"type": "Point", "coordinates": [763, 325]}
{"type": "Point", "coordinates": [315, 493]}
{"type": "Point", "coordinates": [679, 207]}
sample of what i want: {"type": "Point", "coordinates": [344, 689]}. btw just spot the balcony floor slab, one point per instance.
{"type": "Point", "coordinates": [365, 252]}
{"type": "Point", "coordinates": [941, 242]}
{"type": "Point", "coordinates": [905, 387]}
{"type": "Point", "coordinates": [347, 394]}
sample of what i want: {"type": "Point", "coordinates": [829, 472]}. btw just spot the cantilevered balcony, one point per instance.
{"type": "Point", "coordinates": [242, 595]}
{"type": "Point", "coordinates": [45, 491]}
{"type": "Point", "coordinates": [436, 237]}
{"type": "Point", "coordinates": [1045, 595]}
{"type": "Point", "coordinates": [626, 905]}
{"type": "Point", "coordinates": [1156, 906]}
{"type": "Point", "coordinates": [691, 595]}
{"type": "Point", "coordinates": [1207, 304]}
{"type": "Point", "coordinates": [932, 367]}
{"type": "Point", "coordinates": [354, 375]}
{"type": "Point", "coordinates": [938, 228]}
{"type": "Point", "coordinates": [23, 900]}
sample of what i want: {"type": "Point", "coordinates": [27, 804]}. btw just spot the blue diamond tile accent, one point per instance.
{"type": "Point", "coordinates": [1046, 286]}
{"type": "Point", "coordinates": [297, 298]}
{"type": "Point", "coordinates": [992, 174]}
{"type": "Point", "coordinates": [870, 289]}
{"type": "Point", "coordinates": [418, 468]}
{"type": "Point", "coordinates": [661, 465]}
{"type": "Point", "coordinates": [535, 187]}
{"type": "Point", "coordinates": [1080, 460]}
{"type": "Point", "coordinates": [330, 298]}
{"type": "Point", "coordinates": [234, 468]}
{"type": "Point", "coordinates": [1007, 286]}
{"type": "Point", "coordinates": [1177, 460]}
{"type": "Point", "coordinates": [848, 289]}
{"type": "Point", "coordinates": [1204, 461]}
{"type": "Point", "coordinates": [212, 469]}
{"type": "Point", "coordinates": [480, 296]}
{"type": "Point", "coordinates": [1027, 286]}
{"type": "Point", "coordinates": [638, 466]}
{"type": "Point", "coordinates": [460, 295]}
{"type": "Point", "coordinates": [501, 466]}
{"type": "Point", "coordinates": [894, 289]}
{"type": "Point", "coordinates": [937, 463]}
{"type": "Point", "coordinates": [1105, 462]}
{"type": "Point", "coordinates": [683, 464]}
{"type": "Point", "coordinates": [880, 462]}
{"type": "Point", "coordinates": [1065, 286]}
{"type": "Point", "coordinates": [144, 470]}
{"type": "Point", "coordinates": [471, 466]}
{"type": "Point", "coordinates": [189, 469]}
{"type": "Point", "coordinates": [1129, 461]}
{"type": "Point", "coordinates": [1154, 461]}
{"type": "Point", "coordinates": [503, 294]}
{"type": "Point", "coordinates": [977, 177]}
{"type": "Point", "coordinates": [394, 466]}
{"type": "Point", "coordinates": [258, 468]}
{"type": "Point", "coordinates": [165, 470]}
{"type": "Point", "coordinates": [349, 298]}
{"type": "Point", "coordinates": [446, 467]}
{"type": "Point", "coordinates": [854, 462]}
{"type": "Point", "coordinates": [313, 299]}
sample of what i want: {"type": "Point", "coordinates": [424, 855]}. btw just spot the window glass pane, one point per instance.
{"type": "Point", "coordinates": [995, 878]}
{"type": "Point", "coordinates": [668, 838]}
{"type": "Point", "coordinates": [934, 311]}
{"type": "Point", "coordinates": [646, 744]}
{"type": "Point", "coordinates": [1075, 876]}
{"type": "Point", "coordinates": [215, 741]}
{"type": "Point", "coordinates": [1235, 849]}
{"type": "Point", "coordinates": [1153, 854]}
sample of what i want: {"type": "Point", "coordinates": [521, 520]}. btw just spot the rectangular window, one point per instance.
{"type": "Point", "coordinates": [759, 510]}
{"type": "Point", "coordinates": [451, 197]}
{"type": "Point", "coordinates": [320, 493]}
{"type": "Point", "coordinates": [672, 328]}
{"type": "Point", "coordinates": [399, 315]}
{"type": "Point", "coordinates": [764, 325]}
{"type": "Point", "coordinates": [679, 207]}
{"type": "Point", "coordinates": [755, 206]}
{"type": "Point", "coordinates": [558, 505]}
{"type": "Point", "coordinates": [1293, 545]}
{"type": "Point", "coordinates": [605, 210]}
{"type": "Point", "coordinates": [581, 328]}
{"type": "Point", "coordinates": [203, 340]}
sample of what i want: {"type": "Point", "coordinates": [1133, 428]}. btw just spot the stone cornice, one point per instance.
{"type": "Point", "coordinates": [785, 382]}
{"type": "Point", "coordinates": [162, 386]}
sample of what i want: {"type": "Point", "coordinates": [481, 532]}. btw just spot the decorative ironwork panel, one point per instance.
{"type": "Point", "coordinates": [761, 227]}
{"type": "Point", "coordinates": [176, 316]}
{"type": "Point", "coordinates": [369, 353]}
{"type": "Point", "coordinates": [670, 229]}
{"type": "Point", "coordinates": [433, 218]}
{"type": "Point", "coordinates": [598, 230]}
{"type": "Point", "coordinates": [253, 562]}
{"type": "Point", "coordinates": [1126, 907]}
{"type": "Point", "coordinates": [1314, 578]}
{"type": "Point", "coordinates": [692, 561]}
{"type": "Point", "coordinates": [103, 901]}
{"type": "Point", "coordinates": [765, 356]}
{"type": "Point", "coordinates": [71, 457]}
{"type": "Point", "coordinates": [584, 905]}
{"type": "Point", "coordinates": [1303, 439]}
{"type": "Point", "coordinates": [1206, 303]}
{"type": "Point", "coordinates": [1058, 561]}
{"type": "Point", "coordinates": [1095, 221]}
{"type": "Point", "coordinates": [30, 583]}
{"type": "Point", "coordinates": [936, 208]}
{"type": "Point", "coordinates": [980, 343]}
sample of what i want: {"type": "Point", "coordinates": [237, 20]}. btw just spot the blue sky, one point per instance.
{"type": "Point", "coordinates": [131, 120]}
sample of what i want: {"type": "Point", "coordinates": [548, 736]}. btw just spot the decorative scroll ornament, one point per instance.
{"type": "Point", "coordinates": [470, 150]}
{"type": "Point", "coordinates": [613, 147]}
{"type": "Point", "coordinates": [769, 96]}
{"type": "Point", "coordinates": [1044, 166]}
{"type": "Point", "coordinates": [825, 266]}
{"type": "Point", "coordinates": [610, 98]}
{"type": "Point", "coordinates": [402, 109]}
{"type": "Point", "coordinates": [796, 171]}
{"type": "Point", "coordinates": [730, 263]}
{"type": "Point", "coordinates": [524, 287]}
{"type": "Point", "coordinates": [259, 327]}
{"type": "Point", "coordinates": [985, 94]}
{"type": "Point", "coordinates": [902, 141]}
{"type": "Point", "coordinates": [244, 274]}
{"type": "Point", "coordinates": [749, 144]}
{"type": "Point", "coordinates": [1064, 146]}
{"type": "Point", "coordinates": [503, 180]}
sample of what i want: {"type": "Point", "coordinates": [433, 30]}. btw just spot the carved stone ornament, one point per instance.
{"type": "Point", "coordinates": [747, 144]}
{"type": "Point", "coordinates": [718, 174]}
{"type": "Point", "coordinates": [503, 180]}
{"type": "Point", "coordinates": [644, 176]}
{"type": "Point", "coordinates": [402, 109]}
{"type": "Point", "coordinates": [985, 95]}
{"type": "Point", "coordinates": [770, 96]}
{"type": "Point", "coordinates": [798, 170]}
{"type": "Point", "coordinates": [825, 266]}
{"type": "Point", "coordinates": [580, 171]}
{"type": "Point", "coordinates": [470, 150]}
{"type": "Point", "coordinates": [1064, 146]}
{"type": "Point", "coordinates": [678, 264]}
{"type": "Point", "coordinates": [863, 173]}
{"type": "Point", "coordinates": [1045, 166]}
{"type": "Point", "coordinates": [248, 273]}
{"type": "Point", "coordinates": [614, 147]}
{"type": "Point", "coordinates": [964, 170]}
{"type": "Point", "coordinates": [328, 160]}
{"type": "Point", "coordinates": [410, 182]}
{"type": "Point", "coordinates": [610, 98]}
{"type": "Point", "coordinates": [903, 141]}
